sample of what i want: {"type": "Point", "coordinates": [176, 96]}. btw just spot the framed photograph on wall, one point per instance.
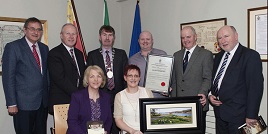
{"type": "Point", "coordinates": [171, 115]}
{"type": "Point", "coordinates": [257, 30]}
{"type": "Point", "coordinates": [206, 31]}
{"type": "Point", "coordinates": [12, 29]}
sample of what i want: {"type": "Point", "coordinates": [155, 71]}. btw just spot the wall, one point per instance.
{"type": "Point", "coordinates": [161, 17]}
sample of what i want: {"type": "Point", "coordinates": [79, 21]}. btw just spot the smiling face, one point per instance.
{"type": "Point", "coordinates": [94, 79]}
{"type": "Point", "coordinates": [132, 78]}
{"type": "Point", "coordinates": [146, 41]}
{"type": "Point", "coordinates": [33, 32]}
{"type": "Point", "coordinates": [227, 38]}
{"type": "Point", "coordinates": [68, 35]}
{"type": "Point", "coordinates": [188, 38]}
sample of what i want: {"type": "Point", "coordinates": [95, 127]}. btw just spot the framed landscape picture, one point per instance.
{"type": "Point", "coordinates": [171, 115]}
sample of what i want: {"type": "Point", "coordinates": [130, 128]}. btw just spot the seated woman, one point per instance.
{"type": "Point", "coordinates": [126, 104]}
{"type": "Point", "coordinates": [90, 104]}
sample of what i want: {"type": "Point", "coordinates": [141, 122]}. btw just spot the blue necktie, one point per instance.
{"type": "Point", "coordinates": [218, 76]}
{"type": "Point", "coordinates": [185, 61]}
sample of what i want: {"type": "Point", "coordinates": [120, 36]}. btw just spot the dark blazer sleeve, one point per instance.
{"type": "Point", "coordinates": [106, 113]}
{"type": "Point", "coordinates": [74, 116]}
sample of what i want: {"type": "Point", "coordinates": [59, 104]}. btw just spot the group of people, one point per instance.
{"type": "Point", "coordinates": [107, 86]}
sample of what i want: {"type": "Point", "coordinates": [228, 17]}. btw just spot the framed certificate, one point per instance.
{"type": "Point", "coordinates": [158, 73]}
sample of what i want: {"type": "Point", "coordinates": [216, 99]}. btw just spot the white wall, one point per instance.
{"type": "Point", "coordinates": [161, 17]}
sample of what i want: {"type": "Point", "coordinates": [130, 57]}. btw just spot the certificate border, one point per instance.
{"type": "Point", "coordinates": [198, 25]}
{"type": "Point", "coordinates": [10, 20]}
{"type": "Point", "coordinates": [252, 12]}
{"type": "Point", "coordinates": [170, 74]}
{"type": "Point", "coordinates": [190, 101]}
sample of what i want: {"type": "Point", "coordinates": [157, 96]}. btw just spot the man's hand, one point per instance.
{"type": "Point", "coordinates": [213, 99]}
{"type": "Point", "coordinates": [251, 122]}
{"type": "Point", "coordinates": [203, 99]}
{"type": "Point", "coordinates": [12, 110]}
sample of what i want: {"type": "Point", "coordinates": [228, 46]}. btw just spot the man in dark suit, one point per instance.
{"type": "Point", "coordinates": [112, 61]}
{"type": "Point", "coordinates": [192, 70]}
{"type": "Point", "coordinates": [66, 68]}
{"type": "Point", "coordinates": [237, 83]}
{"type": "Point", "coordinates": [25, 80]}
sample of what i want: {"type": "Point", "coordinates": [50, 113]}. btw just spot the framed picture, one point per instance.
{"type": "Point", "coordinates": [171, 115]}
{"type": "Point", "coordinates": [257, 30]}
{"type": "Point", "coordinates": [158, 73]}
{"type": "Point", "coordinates": [12, 29]}
{"type": "Point", "coordinates": [207, 33]}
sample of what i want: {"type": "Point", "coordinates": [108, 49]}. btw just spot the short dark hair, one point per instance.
{"type": "Point", "coordinates": [107, 28]}
{"type": "Point", "coordinates": [132, 67]}
{"type": "Point", "coordinates": [32, 20]}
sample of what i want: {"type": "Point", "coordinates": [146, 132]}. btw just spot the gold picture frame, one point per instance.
{"type": "Point", "coordinates": [12, 29]}
{"type": "Point", "coordinates": [206, 31]}
{"type": "Point", "coordinates": [257, 31]}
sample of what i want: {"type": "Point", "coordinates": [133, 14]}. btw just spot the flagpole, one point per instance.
{"type": "Point", "coordinates": [78, 27]}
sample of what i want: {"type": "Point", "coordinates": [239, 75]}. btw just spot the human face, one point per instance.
{"type": "Point", "coordinates": [68, 35]}
{"type": "Point", "coordinates": [188, 38]}
{"type": "Point", "coordinates": [94, 79]}
{"type": "Point", "coordinates": [106, 39]}
{"type": "Point", "coordinates": [33, 32]}
{"type": "Point", "coordinates": [227, 38]}
{"type": "Point", "coordinates": [146, 41]}
{"type": "Point", "coordinates": [132, 78]}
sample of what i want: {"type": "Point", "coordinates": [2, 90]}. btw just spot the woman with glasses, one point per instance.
{"type": "Point", "coordinates": [126, 104]}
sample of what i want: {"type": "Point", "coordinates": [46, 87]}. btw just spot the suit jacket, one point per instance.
{"type": "Point", "coordinates": [24, 84]}
{"type": "Point", "coordinates": [197, 77]}
{"type": "Point", "coordinates": [63, 75]}
{"type": "Point", "coordinates": [242, 86]}
{"type": "Point", "coordinates": [80, 112]}
{"type": "Point", "coordinates": [119, 63]}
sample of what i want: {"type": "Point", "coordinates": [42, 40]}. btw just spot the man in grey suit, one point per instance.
{"type": "Point", "coordinates": [25, 80]}
{"type": "Point", "coordinates": [192, 70]}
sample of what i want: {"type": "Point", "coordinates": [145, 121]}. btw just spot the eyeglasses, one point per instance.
{"type": "Point", "coordinates": [32, 29]}
{"type": "Point", "coordinates": [133, 76]}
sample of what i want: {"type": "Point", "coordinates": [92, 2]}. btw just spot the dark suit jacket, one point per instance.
{"type": "Point", "coordinates": [63, 75]}
{"type": "Point", "coordinates": [119, 63]}
{"type": "Point", "coordinates": [242, 86]}
{"type": "Point", "coordinates": [23, 83]}
{"type": "Point", "coordinates": [197, 77]}
{"type": "Point", "coordinates": [80, 112]}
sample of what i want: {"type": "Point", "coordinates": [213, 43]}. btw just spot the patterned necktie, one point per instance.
{"type": "Point", "coordinates": [218, 76]}
{"type": "Point", "coordinates": [110, 83]}
{"type": "Point", "coordinates": [35, 54]}
{"type": "Point", "coordinates": [78, 73]}
{"type": "Point", "coordinates": [185, 61]}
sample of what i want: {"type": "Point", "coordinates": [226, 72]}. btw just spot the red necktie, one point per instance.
{"type": "Point", "coordinates": [110, 83]}
{"type": "Point", "coordinates": [35, 54]}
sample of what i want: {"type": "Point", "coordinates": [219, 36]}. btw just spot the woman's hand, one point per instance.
{"type": "Point", "coordinates": [136, 132]}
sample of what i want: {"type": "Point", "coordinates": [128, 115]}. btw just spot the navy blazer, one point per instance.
{"type": "Point", "coordinates": [80, 112]}
{"type": "Point", "coordinates": [23, 83]}
{"type": "Point", "coordinates": [242, 86]}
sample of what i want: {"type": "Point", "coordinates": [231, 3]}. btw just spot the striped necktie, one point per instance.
{"type": "Point", "coordinates": [218, 76]}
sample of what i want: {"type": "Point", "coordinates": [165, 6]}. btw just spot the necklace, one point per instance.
{"type": "Point", "coordinates": [134, 109]}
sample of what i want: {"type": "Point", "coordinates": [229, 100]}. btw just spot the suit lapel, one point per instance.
{"type": "Point", "coordinates": [192, 59]}
{"type": "Point", "coordinates": [67, 55]}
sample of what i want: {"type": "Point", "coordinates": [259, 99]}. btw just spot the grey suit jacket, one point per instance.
{"type": "Point", "coordinates": [23, 83]}
{"type": "Point", "coordinates": [197, 77]}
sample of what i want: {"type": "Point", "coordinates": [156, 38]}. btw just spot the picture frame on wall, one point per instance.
{"type": "Point", "coordinates": [206, 31]}
{"type": "Point", "coordinates": [12, 29]}
{"type": "Point", "coordinates": [171, 115]}
{"type": "Point", "coordinates": [257, 30]}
